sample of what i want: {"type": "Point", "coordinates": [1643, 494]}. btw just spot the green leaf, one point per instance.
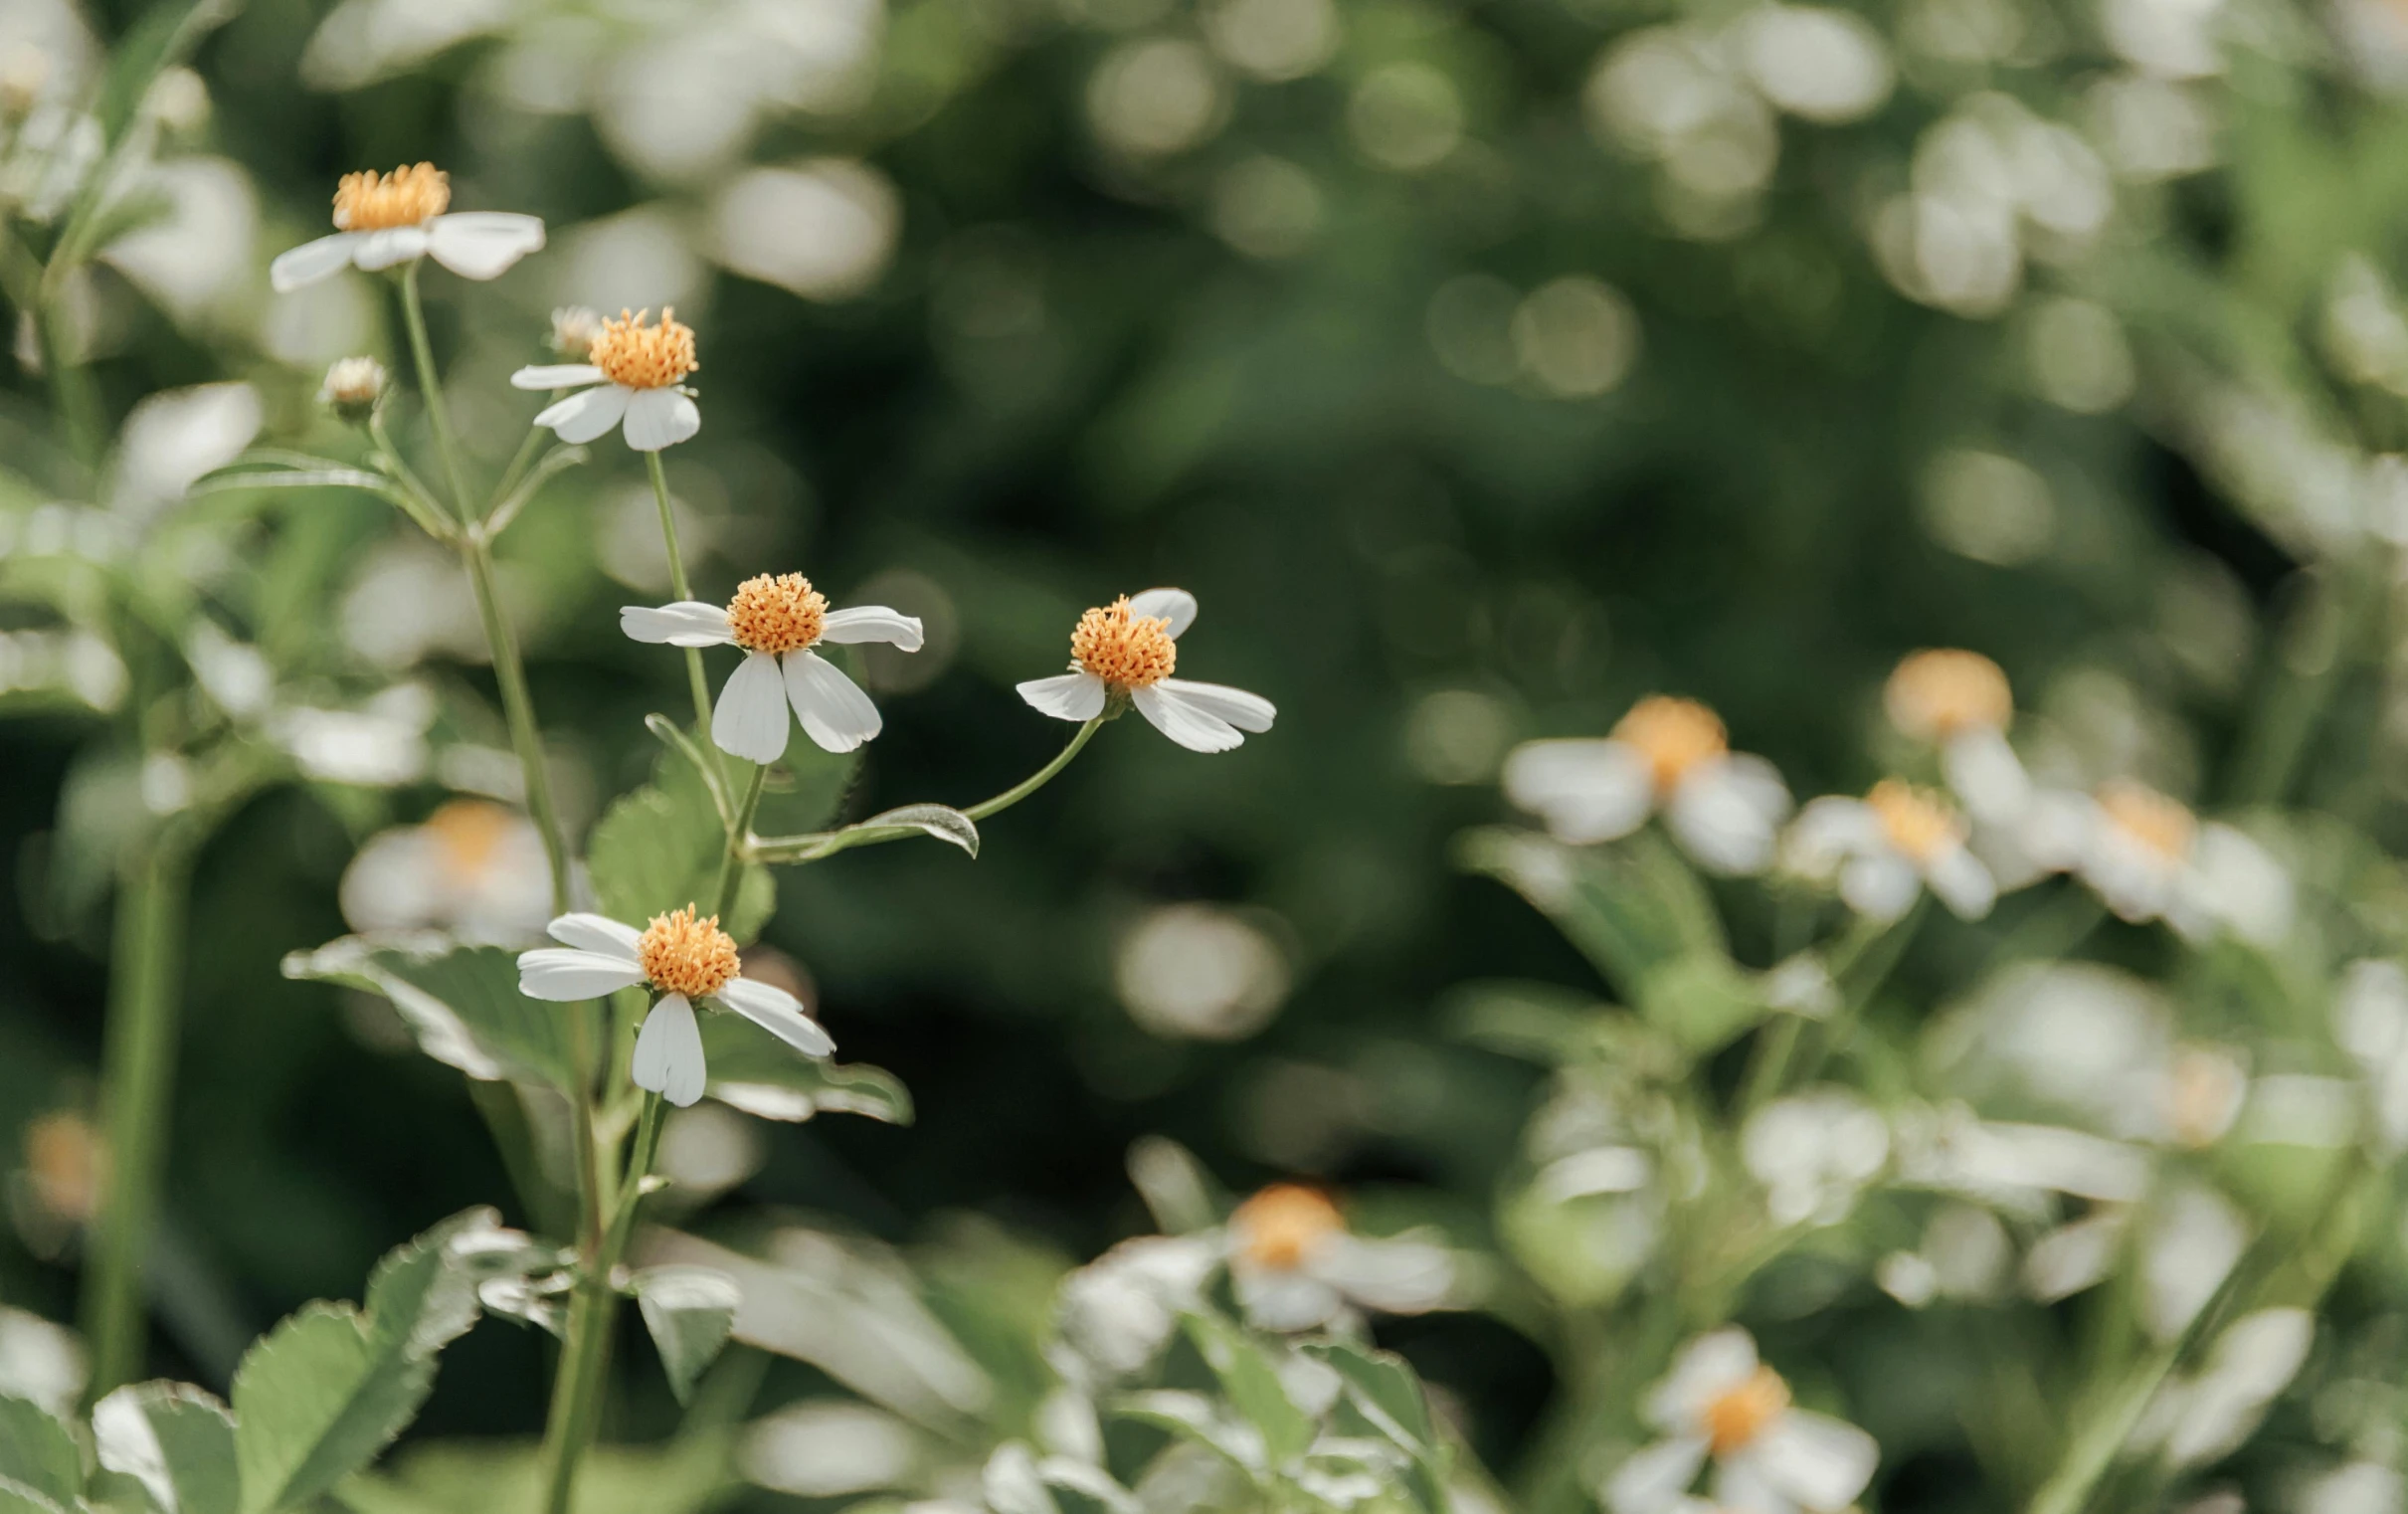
{"type": "Point", "coordinates": [1608, 905]}
{"type": "Point", "coordinates": [1252, 1385]}
{"type": "Point", "coordinates": [1387, 1388]}
{"type": "Point", "coordinates": [943, 822]}
{"type": "Point", "coordinates": [1702, 1000]}
{"type": "Point", "coordinates": [659, 848]}
{"type": "Point", "coordinates": [164, 37]}
{"type": "Point", "coordinates": [17, 1498]}
{"type": "Point", "coordinates": [461, 1003]}
{"type": "Point", "coordinates": [327, 1390]}
{"type": "Point", "coordinates": [753, 1070]}
{"type": "Point", "coordinates": [177, 1440]}
{"type": "Point", "coordinates": [37, 1452]}
{"type": "Point", "coordinates": [689, 1311]}
{"type": "Point", "coordinates": [1196, 1418]}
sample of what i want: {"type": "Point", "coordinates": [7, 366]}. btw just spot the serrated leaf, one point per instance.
{"type": "Point", "coordinates": [177, 1440]}
{"type": "Point", "coordinates": [753, 1070]}
{"type": "Point", "coordinates": [689, 1311]}
{"type": "Point", "coordinates": [327, 1390]}
{"type": "Point", "coordinates": [659, 848]}
{"type": "Point", "coordinates": [1251, 1383]}
{"type": "Point", "coordinates": [38, 1452]}
{"type": "Point", "coordinates": [461, 1003]}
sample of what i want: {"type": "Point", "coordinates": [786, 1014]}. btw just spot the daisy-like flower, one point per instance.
{"type": "Point", "coordinates": [1720, 1403]}
{"type": "Point", "coordinates": [778, 621]}
{"type": "Point", "coordinates": [1886, 848]}
{"type": "Point", "coordinates": [1295, 1267]}
{"type": "Point", "coordinates": [383, 220]}
{"type": "Point", "coordinates": [1961, 702]}
{"type": "Point", "coordinates": [1666, 754]}
{"type": "Point", "coordinates": [635, 374]}
{"type": "Point", "coordinates": [2150, 859]}
{"type": "Point", "coordinates": [1127, 650]}
{"type": "Point", "coordinates": [474, 869]}
{"type": "Point", "coordinates": [681, 960]}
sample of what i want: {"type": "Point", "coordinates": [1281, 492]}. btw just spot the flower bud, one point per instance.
{"type": "Point", "coordinates": [574, 328]}
{"type": "Point", "coordinates": [352, 388]}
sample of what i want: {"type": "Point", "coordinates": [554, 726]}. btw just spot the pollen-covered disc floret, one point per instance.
{"type": "Point", "coordinates": [1125, 649]}
{"type": "Point", "coordinates": [640, 356]}
{"type": "Point", "coordinates": [1918, 821]}
{"type": "Point", "coordinates": [1736, 1416]}
{"type": "Point", "coordinates": [776, 614]}
{"type": "Point", "coordinates": [2163, 827]}
{"type": "Point", "coordinates": [1938, 693]}
{"type": "Point", "coordinates": [1674, 735]}
{"type": "Point", "coordinates": [681, 954]}
{"type": "Point", "coordinates": [375, 202]}
{"type": "Point", "coordinates": [1280, 1227]}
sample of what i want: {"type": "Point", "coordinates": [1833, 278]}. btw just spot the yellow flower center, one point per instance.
{"type": "Point", "coordinates": [468, 832]}
{"type": "Point", "coordinates": [1934, 695]}
{"type": "Point", "coordinates": [67, 1164]}
{"type": "Point", "coordinates": [2161, 825]}
{"type": "Point", "coordinates": [683, 955]}
{"type": "Point", "coordinates": [1736, 1416]}
{"type": "Point", "coordinates": [1280, 1227]}
{"type": "Point", "coordinates": [2205, 1093]}
{"type": "Point", "coordinates": [774, 614]}
{"type": "Point", "coordinates": [376, 202]}
{"type": "Point", "coordinates": [639, 356]}
{"type": "Point", "coordinates": [1125, 651]}
{"type": "Point", "coordinates": [1918, 821]}
{"type": "Point", "coordinates": [1674, 735]}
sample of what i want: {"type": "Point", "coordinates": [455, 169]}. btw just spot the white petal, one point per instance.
{"type": "Point", "coordinates": [1286, 1300]}
{"type": "Point", "coordinates": [1741, 1487]}
{"type": "Point", "coordinates": [659, 418]}
{"type": "Point", "coordinates": [1066, 696]}
{"type": "Point", "coordinates": [1248, 712]}
{"type": "Point", "coordinates": [669, 1052]}
{"type": "Point", "coordinates": [382, 250]}
{"type": "Point", "coordinates": [312, 261]}
{"type": "Point", "coordinates": [1987, 775]}
{"type": "Point", "coordinates": [872, 623]}
{"type": "Point", "coordinates": [750, 717]}
{"type": "Point", "coordinates": [556, 376]}
{"type": "Point", "coordinates": [584, 415]}
{"type": "Point", "coordinates": [565, 975]}
{"type": "Point", "coordinates": [599, 934]}
{"type": "Point", "coordinates": [2239, 883]}
{"type": "Point", "coordinates": [779, 1013]}
{"type": "Point", "coordinates": [1880, 884]}
{"type": "Point", "coordinates": [1821, 1462]}
{"type": "Point", "coordinates": [1711, 1366]}
{"type": "Point", "coordinates": [1828, 832]}
{"type": "Point", "coordinates": [1652, 1481]}
{"type": "Point", "coordinates": [1196, 728]}
{"type": "Point", "coordinates": [1585, 790]}
{"type": "Point", "coordinates": [483, 244]}
{"type": "Point", "coordinates": [1176, 606]}
{"type": "Point", "coordinates": [1395, 1275]}
{"type": "Point", "coordinates": [1961, 882]}
{"type": "Point", "coordinates": [833, 711]}
{"type": "Point", "coordinates": [1728, 813]}
{"type": "Point", "coordinates": [680, 623]}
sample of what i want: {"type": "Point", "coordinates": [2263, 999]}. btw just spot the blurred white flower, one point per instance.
{"type": "Point", "coordinates": [1115, 1314]}
{"type": "Point", "coordinates": [682, 960]}
{"type": "Point", "coordinates": [1200, 972]}
{"type": "Point", "coordinates": [1720, 1403]}
{"type": "Point", "coordinates": [1666, 754]}
{"type": "Point", "coordinates": [1296, 1266]}
{"type": "Point", "coordinates": [174, 437]}
{"type": "Point", "coordinates": [1961, 702]}
{"type": "Point", "coordinates": [2362, 1487]}
{"type": "Point", "coordinates": [2370, 1022]}
{"type": "Point", "coordinates": [473, 868]}
{"type": "Point", "coordinates": [379, 745]}
{"type": "Point", "coordinates": [824, 229]}
{"type": "Point", "coordinates": [828, 1447]}
{"type": "Point", "coordinates": [1157, 96]}
{"type": "Point", "coordinates": [1888, 847]}
{"type": "Point", "coordinates": [1814, 1152]}
{"type": "Point", "coordinates": [2150, 859]}
{"type": "Point", "coordinates": [384, 220]}
{"type": "Point", "coordinates": [2199, 1418]}
{"type": "Point", "coordinates": [1827, 66]}
{"type": "Point", "coordinates": [196, 259]}
{"type": "Point", "coordinates": [777, 620]}
{"type": "Point", "coordinates": [1274, 39]}
{"type": "Point", "coordinates": [2171, 39]}
{"type": "Point", "coordinates": [1128, 650]}
{"type": "Point", "coordinates": [634, 372]}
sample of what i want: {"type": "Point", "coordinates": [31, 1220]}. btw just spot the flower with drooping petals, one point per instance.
{"type": "Point", "coordinates": [383, 220]}
{"type": "Point", "coordinates": [1128, 650]}
{"type": "Point", "coordinates": [778, 621]}
{"type": "Point", "coordinates": [1961, 702]}
{"type": "Point", "coordinates": [2150, 859]}
{"type": "Point", "coordinates": [1886, 848]}
{"type": "Point", "coordinates": [1721, 1403]}
{"type": "Point", "coordinates": [682, 960]}
{"type": "Point", "coordinates": [1666, 754]}
{"type": "Point", "coordinates": [632, 373]}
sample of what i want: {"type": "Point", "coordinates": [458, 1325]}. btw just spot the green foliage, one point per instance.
{"type": "Point", "coordinates": [38, 1453]}
{"type": "Point", "coordinates": [659, 848]}
{"type": "Point", "coordinates": [760, 1074]}
{"type": "Point", "coordinates": [177, 1441]}
{"type": "Point", "coordinates": [461, 1003]}
{"type": "Point", "coordinates": [689, 1311]}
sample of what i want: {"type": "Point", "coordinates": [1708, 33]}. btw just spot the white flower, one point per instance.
{"type": "Point", "coordinates": [473, 870]}
{"type": "Point", "coordinates": [1115, 1314]}
{"type": "Point", "coordinates": [2150, 859]}
{"type": "Point", "coordinates": [778, 621]}
{"type": "Point", "coordinates": [1888, 847]}
{"type": "Point", "coordinates": [385, 220]}
{"type": "Point", "coordinates": [1665, 754]}
{"type": "Point", "coordinates": [1720, 1403]}
{"type": "Point", "coordinates": [1294, 1265]}
{"type": "Point", "coordinates": [380, 745]}
{"type": "Point", "coordinates": [630, 374]}
{"type": "Point", "coordinates": [1814, 1152]}
{"type": "Point", "coordinates": [1961, 702]}
{"type": "Point", "coordinates": [1127, 650]}
{"type": "Point", "coordinates": [682, 960]}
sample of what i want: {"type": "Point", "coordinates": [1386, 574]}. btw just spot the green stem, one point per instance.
{"type": "Point", "coordinates": [519, 708]}
{"type": "Point", "coordinates": [739, 839]}
{"type": "Point", "coordinates": [820, 845]}
{"type": "Point", "coordinates": [438, 420]}
{"type": "Point", "coordinates": [2307, 669]}
{"type": "Point", "coordinates": [682, 589]}
{"type": "Point", "coordinates": [1038, 779]}
{"type": "Point", "coordinates": [518, 466]}
{"type": "Point", "coordinates": [138, 1081]}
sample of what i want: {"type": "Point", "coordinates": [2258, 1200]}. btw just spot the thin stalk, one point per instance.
{"type": "Point", "coordinates": [739, 836]}
{"type": "Point", "coordinates": [519, 708]}
{"type": "Point", "coordinates": [683, 590]}
{"type": "Point", "coordinates": [820, 845]}
{"type": "Point", "coordinates": [2342, 608]}
{"type": "Point", "coordinates": [430, 390]}
{"type": "Point", "coordinates": [1038, 779]}
{"type": "Point", "coordinates": [146, 960]}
